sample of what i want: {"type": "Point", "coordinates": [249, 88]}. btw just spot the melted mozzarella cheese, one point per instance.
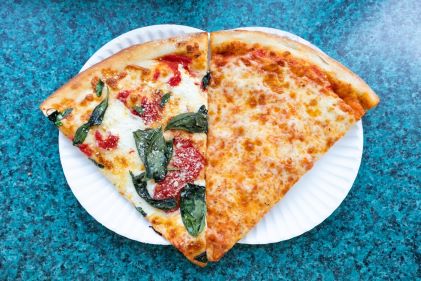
{"type": "Point", "coordinates": [119, 121]}
{"type": "Point", "coordinates": [200, 182]}
{"type": "Point", "coordinates": [265, 132]}
{"type": "Point", "coordinates": [189, 91]}
{"type": "Point", "coordinates": [151, 187]}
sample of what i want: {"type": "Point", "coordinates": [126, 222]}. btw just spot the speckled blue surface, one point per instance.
{"type": "Point", "coordinates": [46, 234]}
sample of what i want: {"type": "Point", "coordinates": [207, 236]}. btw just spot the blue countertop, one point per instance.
{"type": "Point", "coordinates": [46, 234]}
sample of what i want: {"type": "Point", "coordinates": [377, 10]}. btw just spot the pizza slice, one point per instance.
{"type": "Point", "coordinates": [275, 107]}
{"type": "Point", "coordinates": [141, 117]}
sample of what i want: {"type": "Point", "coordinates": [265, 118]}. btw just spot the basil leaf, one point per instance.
{"type": "Point", "coordinates": [193, 208]}
{"type": "Point", "coordinates": [66, 112]}
{"type": "Point", "coordinates": [95, 119]}
{"type": "Point", "coordinates": [140, 184]}
{"type": "Point", "coordinates": [190, 121]}
{"type": "Point", "coordinates": [203, 110]}
{"type": "Point", "coordinates": [142, 139]}
{"type": "Point", "coordinates": [165, 98]}
{"type": "Point", "coordinates": [169, 150]}
{"type": "Point", "coordinates": [99, 165]}
{"type": "Point", "coordinates": [202, 257]}
{"type": "Point", "coordinates": [206, 80]}
{"type": "Point", "coordinates": [57, 116]}
{"type": "Point", "coordinates": [154, 152]}
{"type": "Point", "coordinates": [98, 112]}
{"type": "Point", "coordinates": [53, 116]}
{"type": "Point", "coordinates": [156, 157]}
{"type": "Point", "coordinates": [81, 134]}
{"type": "Point", "coordinates": [99, 87]}
{"type": "Point", "coordinates": [138, 109]}
{"type": "Point", "coordinates": [140, 210]}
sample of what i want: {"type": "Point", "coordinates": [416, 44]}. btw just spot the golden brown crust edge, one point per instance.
{"type": "Point", "coordinates": [366, 96]}
{"type": "Point", "coordinates": [118, 61]}
{"type": "Point", "coordinates": [179, 238]}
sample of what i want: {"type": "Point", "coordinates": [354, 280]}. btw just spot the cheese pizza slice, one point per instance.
{"type": "Point", "coordinates": [275, 107]}
{"type": "Point", "coordinates": [141, 117]}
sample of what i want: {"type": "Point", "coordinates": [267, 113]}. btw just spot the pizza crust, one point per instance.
{"type": "Point", "coordinates": [81, 83]}
{"type": "Point", "coordinates": [366, 96]}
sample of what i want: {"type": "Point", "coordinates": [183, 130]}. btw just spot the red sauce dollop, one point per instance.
{"type": "Point", "coordinates": [176, 79]}
{"type": "Point", "coordinates": [173, 61]}
{"type": "Point", "coordinates": [108, 143]}
{"type": "Point", "coordinates": [189, 162]}
{"type": "Point", "coordinates": [156, 74]}
{"type": "Point", "coordinates": [85, 149]}
{"type": "Point", "coordinates": [122, 96]}
{"type": "Point", "coordinates": [178, 59]}
{"type": "Point", "coordinates": [151, 109]}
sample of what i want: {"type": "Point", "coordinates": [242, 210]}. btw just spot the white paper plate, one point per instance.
{"type": "Point", "coordinates": [305, 206]}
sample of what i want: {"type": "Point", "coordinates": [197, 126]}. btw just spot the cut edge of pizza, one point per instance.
{"type": "Point", "coordinates": [141, 117]}
{"type": "Point", "coordinates": [275, 107]}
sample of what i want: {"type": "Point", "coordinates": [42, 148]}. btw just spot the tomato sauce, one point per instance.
{"type": "Point", "coordinates": [173, 61]}
{"type": "Point", "coordinates": [156, 74]}
{"type": "Point", "coordinates": [110, 142]}
{"type": "Point", "coordinates": [176, 79]}
{"type": "Point", "coordinates": [85, 149]}
{"type": "Point", "coordinates": [122, 96]}
{"type": "Point", "coordinates": [188, 161]}
{"type": "Point", "coordinates": [151, 109]}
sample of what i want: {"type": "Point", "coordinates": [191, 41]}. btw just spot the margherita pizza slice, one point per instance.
{"type": "Point", "coordinates": [275, 107]}
{"type": "Point", "coordinates": [141, 117]}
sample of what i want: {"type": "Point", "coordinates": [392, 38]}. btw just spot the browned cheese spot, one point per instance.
{"type": "Point", "coordinates": [88, 98]}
